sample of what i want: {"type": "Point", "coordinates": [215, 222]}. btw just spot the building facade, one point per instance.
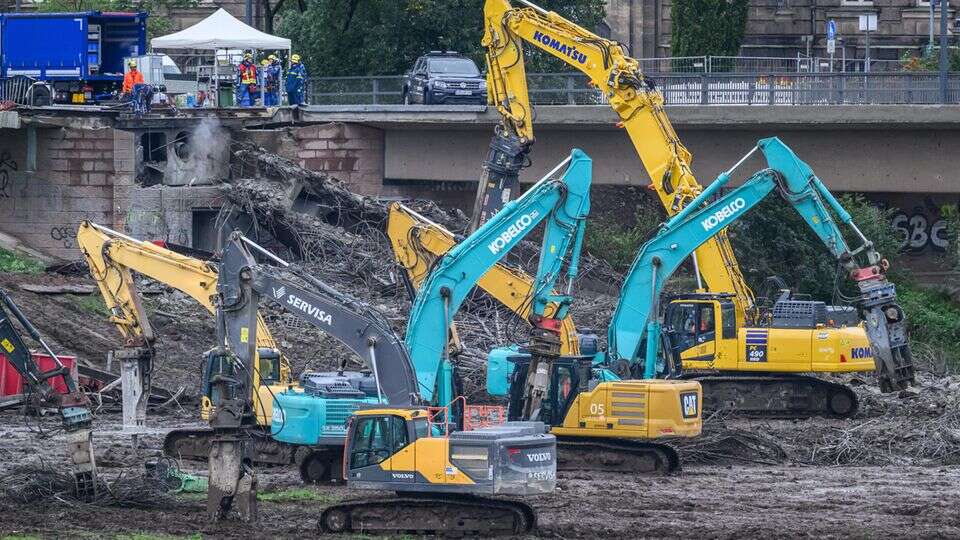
{"type": "Point", "coordinates": [786, 28]}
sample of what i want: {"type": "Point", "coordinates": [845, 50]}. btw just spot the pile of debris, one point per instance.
{"type": "Point", "coordinates": [40, 483]}
{"type": "Point", "coordinates": [338, 236]}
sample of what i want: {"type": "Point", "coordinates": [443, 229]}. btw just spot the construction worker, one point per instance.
{"type": "Point", "coordinates": [296, 81]}
{"type": "Point", "coordinates": [271, 96]}
{"type": "Point", "coordinates": [133, 77]}
{"type": "Point", "coordinates": [246, 82]}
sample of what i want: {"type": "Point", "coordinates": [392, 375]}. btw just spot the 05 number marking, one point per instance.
{"type": "Point", "coordinates": [597, 409]}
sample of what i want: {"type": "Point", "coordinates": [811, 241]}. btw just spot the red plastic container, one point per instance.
{"type": "Point", "coordinates": [11, 383]}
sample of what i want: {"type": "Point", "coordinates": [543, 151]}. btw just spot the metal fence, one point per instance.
{"type": "Point", "coordinates": [836, 88]}
{"type": "Point", "coordinates": [762, 64]}
{"type": "Point", "coordinates": [808, 89]}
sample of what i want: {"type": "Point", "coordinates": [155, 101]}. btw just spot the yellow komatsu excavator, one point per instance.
{"type": "Point", "coordinates": [112, 258]}
{"type": "Point", "coordinates": [418, 242]}
{"type": "Point", "coordinates": [639, 105]}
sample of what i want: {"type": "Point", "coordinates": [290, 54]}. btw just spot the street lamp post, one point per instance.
{"type": "Point", "coordinates": [944, 50]}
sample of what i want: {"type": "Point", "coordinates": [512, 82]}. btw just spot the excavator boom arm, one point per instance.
{"type": "Point", "coordinates": [113, 257]}
{"type": "Point", "coordinates": [354, 324]}
{"type": "Point", "coordinates": [632, 96]}
{"type": "Point", "coordinates": [636, 314]}
{"type": "Point", "coordinates": [418, 243]}
{"type": "Point", "coordinates": [565, 202]}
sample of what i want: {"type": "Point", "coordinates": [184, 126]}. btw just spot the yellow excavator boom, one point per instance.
{"type": "Point", "coordinates": [417, 242]}
{"type": "Point", "coordinates": [113, 257]}
{"type": "Point", "coordinates": [634, 98]}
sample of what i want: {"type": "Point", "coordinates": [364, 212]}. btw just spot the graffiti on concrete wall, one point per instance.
{"type": "Point", "coordinates": [921, 231]}
{"type": "Point", "coordinates": [64, 234]}
{"type": "Point", "coordinates": [7, 165]}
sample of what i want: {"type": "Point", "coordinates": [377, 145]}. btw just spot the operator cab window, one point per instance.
{"type": "Point", "coordinates": [377, 438]}
{"type": "Point", "coordinates": [692, 324]}
{"type": "Point", "coordinates": [728, 319]}
{"type": "Point", "coordinates": [706, 324]}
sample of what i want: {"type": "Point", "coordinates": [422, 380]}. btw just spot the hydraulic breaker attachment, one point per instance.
{"type": "Point", "coordinates": [544, 351]}
{"type": "Point", "coordinates": [500, 180]}
{"type": "Point", "coordinates": [135, 374]}
{"type": "Point", "coordinates": [233, 483]}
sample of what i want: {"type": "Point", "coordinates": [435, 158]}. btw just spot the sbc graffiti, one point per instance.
{"type": "Point", "coordinates": [64, 234]}
{"type": "Point", "coordinates": [7, 164]}
{"type": "Point", "coordinates": [919, 232]}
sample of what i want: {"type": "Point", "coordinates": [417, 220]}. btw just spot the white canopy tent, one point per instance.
{"type": "Point", "coordinates": [221, 31]}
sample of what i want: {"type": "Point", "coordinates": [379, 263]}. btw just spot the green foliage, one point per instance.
{"type": "Point", "coordinates": [929, 61]}
{"type": "Point", "coordinates": [19, 264]}
{"type": "Point", "coordinates": [384, 37]}
{"type": "Point", "coordinates": [773, 240]}
{"type": "Point", "coordinates": [933, 318]}
{"type": "Point", "coordinates": [951, 213]}
{"type": "Point", "coordinates": [297, 495]}
{"type": "Point", "coordinates": [708, 27]}
{"type": "Point", "coordinates": [91, 304]}
{"type": "Point", "coordinates": [158, 23]}
{"type": "Point", "coordinates": [617, 240]}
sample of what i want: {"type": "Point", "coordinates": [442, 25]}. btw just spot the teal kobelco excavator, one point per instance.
{"type": "Point", "coordinates": [748, 363]}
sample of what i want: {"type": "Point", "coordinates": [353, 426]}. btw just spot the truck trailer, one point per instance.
{"type": "Point", "coordinates": [78, 55]}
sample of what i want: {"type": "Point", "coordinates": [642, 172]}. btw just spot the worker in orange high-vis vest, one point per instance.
{"type": "Point", "coordinates": [246, 82]}
{"type": "Point", "coordinates": [132, 77]}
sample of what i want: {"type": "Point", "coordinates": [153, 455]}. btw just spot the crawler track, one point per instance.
{"type": "Point", "coordinates": [448, 515]}
{"type": "Point", "coordinates": [194, 445]}
{"type": "Point", "coordinates": [618, 455]}
{"type": "Point", "coordinates": [775, 395]}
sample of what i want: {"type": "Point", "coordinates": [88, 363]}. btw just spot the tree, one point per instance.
{"type": "Point", "coordinates": [158, 23]}
{"type": "Point", "coordinates": [384, 37]}
{"type": "Point", "coordinates": [773, 240]}
{"type": "Point", "coordinates": [708, 27]}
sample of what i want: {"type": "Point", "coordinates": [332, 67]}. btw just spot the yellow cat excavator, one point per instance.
{"type": "Point", "coordinates": [772, 391]}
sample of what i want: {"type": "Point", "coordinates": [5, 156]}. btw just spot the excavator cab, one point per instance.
{"type": "Point", "coordinates": [569, 376]}
{"type": "Point", "coordinates": [699, 327]}
{"type": "Point", "coordinates": [220, 380]}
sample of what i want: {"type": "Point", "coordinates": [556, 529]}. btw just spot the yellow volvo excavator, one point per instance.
{"type": "Point", "coordinates": [112, 258]}
{"type": "Point", "coordinates": [639, 104]}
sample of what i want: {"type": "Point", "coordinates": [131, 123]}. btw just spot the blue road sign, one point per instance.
{"type": "Point", "coordinates": [831, 29]}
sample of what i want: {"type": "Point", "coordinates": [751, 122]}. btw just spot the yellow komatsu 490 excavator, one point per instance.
{"type": "Point", "coordinates": [113, 257]}
{"type": "Point", "coordinates": [639, 104]}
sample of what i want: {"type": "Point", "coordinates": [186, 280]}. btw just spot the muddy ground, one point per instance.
{"type": "Point", "coordinates": [716, 501]}
{"type": "Point", "coordinates": [893, 471]}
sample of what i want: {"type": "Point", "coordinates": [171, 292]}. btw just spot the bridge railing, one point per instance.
{"type": "Point", "coordinates": [769, 88]}
{"type": "Point", "coordinates": [23, 90]}
{"type": "Point", "coordinates": [808, 89]}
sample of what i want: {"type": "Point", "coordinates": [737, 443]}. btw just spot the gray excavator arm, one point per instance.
{"type": "Point", "coordinates": [242, 282]}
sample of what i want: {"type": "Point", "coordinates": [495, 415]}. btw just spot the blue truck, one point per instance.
{"type": "Point", "coordinates": [79, 55]}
